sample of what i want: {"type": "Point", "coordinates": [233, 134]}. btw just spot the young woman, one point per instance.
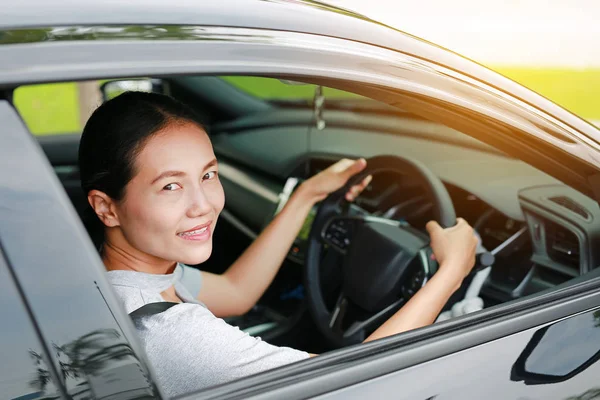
{"type": "Point", "coordinates": [151, 177]}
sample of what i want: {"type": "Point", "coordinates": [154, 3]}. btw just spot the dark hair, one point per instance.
{"type": "Point", "coordinates": [117, 131]}
{"type": "Point", "coordinates": [113, 137]}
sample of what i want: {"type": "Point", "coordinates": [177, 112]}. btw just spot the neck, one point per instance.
{"type": "Point", "coordinates": [119, 254]}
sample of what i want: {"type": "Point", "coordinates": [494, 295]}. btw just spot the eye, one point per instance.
{"type": "Point", "coordinates": [209, 175]}
{"type": "Point", "coordinates": [172, 186]}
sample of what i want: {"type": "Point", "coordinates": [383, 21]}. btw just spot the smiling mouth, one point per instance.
{"type": "Point", "coordinates": [193, 233]}
{"type": "Point", "coordinates": [200, 232]}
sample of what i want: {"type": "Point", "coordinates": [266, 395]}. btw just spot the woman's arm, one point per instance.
{"type": "Point", "coordinates": [454, 248]}
{"type": "Point", "coordinates": [238, 289]}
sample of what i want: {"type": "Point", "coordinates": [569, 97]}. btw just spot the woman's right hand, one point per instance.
{"type": "Point", "coordinates": [454, 248]}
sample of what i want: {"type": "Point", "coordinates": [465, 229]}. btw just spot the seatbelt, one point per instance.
{"type": "Point", "coordinates": [150, 309]}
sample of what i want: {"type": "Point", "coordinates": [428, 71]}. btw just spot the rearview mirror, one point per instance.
{"type": "Point", "coordinates": [112, 89]}
{"type": "Point", "coordinates": [560, 351]}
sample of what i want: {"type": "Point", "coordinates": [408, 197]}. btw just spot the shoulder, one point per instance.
{"type": "Point", "coordinates": [191, 279]}
{"type": "Point", "coordinates": [131, 295]}
{"type": "Point", "coordinates": [187, 343]}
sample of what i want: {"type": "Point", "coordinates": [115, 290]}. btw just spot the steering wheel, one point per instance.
{"type": "Point", "coordinates": [384, 261]}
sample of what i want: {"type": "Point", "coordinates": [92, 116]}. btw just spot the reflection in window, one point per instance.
{"type": "Point", "coordinates": [99, 364]}
{"type": "Point", "coordinates": [566, 346]}
{"type": "Point", "coordinates": [22, 370]}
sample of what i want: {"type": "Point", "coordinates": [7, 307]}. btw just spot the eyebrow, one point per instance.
{"type": "Point", "coordinates": [211, 163]}
{"type": "Point", "coordinates": [170, 174]}
{"type": "Point", "coordinates": [167, 174]}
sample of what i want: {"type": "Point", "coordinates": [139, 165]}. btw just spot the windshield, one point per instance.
{"type": "Point", "coordinates": [271, 89]}
{"type": "Point", "coordinates": [297, 94]}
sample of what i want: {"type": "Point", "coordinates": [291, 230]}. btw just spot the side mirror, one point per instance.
{"type": "Point", "coordinates": [112, 89]}
{"type": "Point", "coordinates": [560, 351]}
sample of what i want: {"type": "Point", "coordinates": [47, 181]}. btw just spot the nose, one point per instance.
{"type": "Point", "coordinates": [199, 204]}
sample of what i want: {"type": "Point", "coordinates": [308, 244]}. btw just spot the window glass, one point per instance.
{"type": "Point", "coordinates": [576, 89]}
{"type": "Point", "coordinates": [56, 108]}
{"type": "Point", "coordinates": [275, 89]}
{"type": "Point", "coordinates": [23, 372]}
{"type": "Point", "coordinates": [78, 317]}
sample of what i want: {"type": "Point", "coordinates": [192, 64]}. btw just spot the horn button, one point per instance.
{"type": "Point", "coordinates": [379, 258]}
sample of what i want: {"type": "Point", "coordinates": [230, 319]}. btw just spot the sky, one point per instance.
{"type": "Point", "coordinates": [549, 33]}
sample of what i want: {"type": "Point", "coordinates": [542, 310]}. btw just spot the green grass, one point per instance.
{"type": "Point", "coordinates": [53, 108]}
{"type": "Point", "coordinates": [49, 108]}
{"type": "Point", "coordinates": [268, 88]}
{"type": "Point", "coordinates": [576, 90]}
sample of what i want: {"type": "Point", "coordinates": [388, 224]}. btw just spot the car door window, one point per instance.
{"type": "Point", "coordinates": [24, 373]}
{"type": "Point", "coordinates": [59, 273]}
{"type": "Point", "coordinates": [56, 108]}
{"type": "Point", "coordinates": [278, 89]}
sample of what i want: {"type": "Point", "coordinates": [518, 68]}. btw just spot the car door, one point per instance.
{"type": "Point", "coordinates": [556, 361]}
{"type": "Point", "coordinates": [79, 343]}
{"type": "Point", "coordinates": [504, 353]}
{"type": "Point", "coordinates": [419, 86]}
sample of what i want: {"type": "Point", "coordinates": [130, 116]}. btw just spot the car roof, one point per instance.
{"type": "Point", "coordinates": [289, 15]}
{"type": "Point", "coordinates": [303, 16]}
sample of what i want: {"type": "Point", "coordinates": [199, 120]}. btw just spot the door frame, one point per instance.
{"type": "Point", "coordinates": [387, 75]}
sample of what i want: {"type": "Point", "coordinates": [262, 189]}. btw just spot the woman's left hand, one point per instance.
{"type": "Point", "coordinates": [335, 177]}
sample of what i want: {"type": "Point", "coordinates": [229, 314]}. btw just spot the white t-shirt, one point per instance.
{"type": "Point", "coordinates": [188, 347]}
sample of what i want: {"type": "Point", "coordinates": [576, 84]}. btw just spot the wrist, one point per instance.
{"type": "Point", "coordinates": [306, 194]}
{"type": "Point", "coordinates": [448, 276]}
{"type": "Point", "coordinates": [300, 203]}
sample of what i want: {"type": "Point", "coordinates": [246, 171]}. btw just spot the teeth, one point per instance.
{"type": "Point", "coordinates": [196, 232]}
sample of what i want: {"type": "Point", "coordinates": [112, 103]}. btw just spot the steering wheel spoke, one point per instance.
{"type": "Point", "coordinates": [361, 327]}
{"type": "Point", "coordinates": [357, 330]}
{"type": "Point", "coordinates": [338, 232]}
{"type": "Point", "coordinates": [339, 311]}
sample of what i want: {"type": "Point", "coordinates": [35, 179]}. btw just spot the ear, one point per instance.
{"type": "Point", "coordinates": [105, 208]}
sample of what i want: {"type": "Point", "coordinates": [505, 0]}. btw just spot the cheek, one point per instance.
{"type": "Point", "coordinates": [216, 196]}
{"type": "Point", "coordinates": [150, 217]}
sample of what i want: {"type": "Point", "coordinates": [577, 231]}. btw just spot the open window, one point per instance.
{"type": "Point", "coordinates": [266, 130]}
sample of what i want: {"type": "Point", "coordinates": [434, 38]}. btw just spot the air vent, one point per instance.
{"type": "Point", "coordinates": [571, 205]}
{"type": "Point", "coordinates": [562, 245]}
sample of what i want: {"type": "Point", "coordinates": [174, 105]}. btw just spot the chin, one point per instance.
{"type": "Point", "coordinates": [195, 257]}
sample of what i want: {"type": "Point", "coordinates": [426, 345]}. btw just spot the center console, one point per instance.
{"type": "Point", "coordinates": [298, 250]}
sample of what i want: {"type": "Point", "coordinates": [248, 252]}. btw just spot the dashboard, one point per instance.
{"type": "Point", "coordinates": [548, 245]}
{"type": "Point", "coordinates": [396, 197]}
{"type": "Point", "coordinates": [545, 230]}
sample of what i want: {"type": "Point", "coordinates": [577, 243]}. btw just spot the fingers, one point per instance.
{"type": "Point", "coordinates": [357, 189]}
{"type": "Point", "coordinates": [342, 165]}
{"type": "Point", "coordinates": [356, 167]}
{"type": "Point", "coordinates": [460, 224]}
{"type": "Point", "coordinates": [433, 227]}
{"type": "Point", "coordinates": [349, 167]}
{"type": "Point", "coordinates": [346, 168]}
{"type": "Point", "coordinates": [365, 182]}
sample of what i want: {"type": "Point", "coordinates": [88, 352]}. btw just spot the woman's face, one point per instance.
{"type": "Point", "coordinates": [171, 205]}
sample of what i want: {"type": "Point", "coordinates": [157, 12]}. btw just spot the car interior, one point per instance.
{"type": "Point", "coordinates": [270, 134]}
